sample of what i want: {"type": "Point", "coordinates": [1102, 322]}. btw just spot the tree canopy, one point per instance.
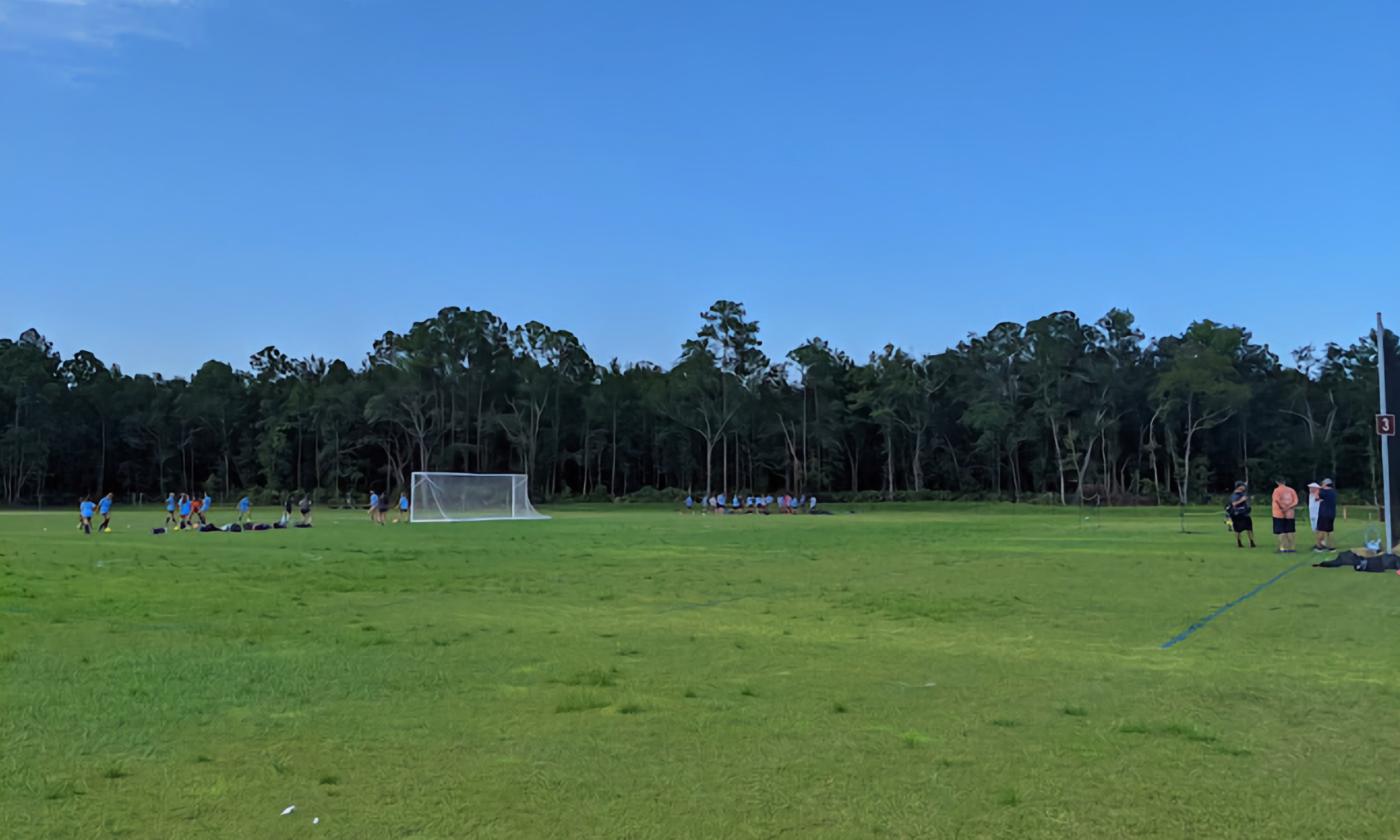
{"type": "Point", "coordinates": [1058, 409]}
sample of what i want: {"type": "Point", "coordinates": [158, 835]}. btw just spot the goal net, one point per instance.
{"type": "Point", "coordinates": [470, 497]}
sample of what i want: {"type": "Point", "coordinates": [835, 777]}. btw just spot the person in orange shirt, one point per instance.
{"type": "Point", "coordinates": [1285, 504]}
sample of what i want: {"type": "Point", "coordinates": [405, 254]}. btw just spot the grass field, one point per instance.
{"type": "Point", "coordinates": [923, 671]}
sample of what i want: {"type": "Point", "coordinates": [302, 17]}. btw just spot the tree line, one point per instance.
{"type": "Point", "coordinates": [1058, 410]}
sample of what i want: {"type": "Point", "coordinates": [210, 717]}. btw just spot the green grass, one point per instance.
{"type": "Point", "coordinates": [929, 671]}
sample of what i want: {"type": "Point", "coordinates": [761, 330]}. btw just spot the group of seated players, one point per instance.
{"type": "Point", "coordinates": [190, 513]}
{"type": "Point", "coordinates": [736, 503]}
{"type": "Point", "coordinates": [181, 513]}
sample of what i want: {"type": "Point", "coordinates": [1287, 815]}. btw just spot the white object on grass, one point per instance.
{"type": "Point", "coordinates": [287, 810]}
{"type": "Point", "coordinates": [470, 497]}
{"type": "Point", "coordinates": [315, 820]}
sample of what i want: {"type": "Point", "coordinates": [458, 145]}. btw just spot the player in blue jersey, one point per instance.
{"type": "Point", "coordinates": [170, 510]}
{"type": "Point", "coordinates": [85, 509]}
{"type": "Point", "coordinates": [403, 507]}
{"type": "Point", "coordinates": [245, 510]}
{"type": "Point", "coordinates": [104, 507]}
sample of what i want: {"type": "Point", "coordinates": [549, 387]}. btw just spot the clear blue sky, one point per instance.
{"type": "Point", "coordinates": [197, 179]}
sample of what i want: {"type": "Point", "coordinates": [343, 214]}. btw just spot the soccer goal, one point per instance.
{"type": "Point", "coordinates": [470, 497]}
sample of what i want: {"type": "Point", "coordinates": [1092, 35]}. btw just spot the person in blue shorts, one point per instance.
{"type": "Point", "coordinates": [403, 507]}
{"type": "Point", "coordinates": [104, 507]}
{"type": "Point", "coordinates": [373, 506]}
{"type": "Point", "coordinates": [245, 510]}
{"type": "Point", "coordinates": [170, 510]}
{"type": "Point", "coordinates": [85, 509]}
{"type": "Point", "coordinates": [186, 508]}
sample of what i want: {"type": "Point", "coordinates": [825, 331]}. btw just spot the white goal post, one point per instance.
{"type": "Point", "coordinates": [470, 497]}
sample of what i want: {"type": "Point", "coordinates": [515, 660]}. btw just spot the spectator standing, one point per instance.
{"type": "Point", "coordinates": [1326, 516]}
{"type": "Point", "coordinates": [1241, 522]}
{"type": "Point", "coordinates": [1285, 506]}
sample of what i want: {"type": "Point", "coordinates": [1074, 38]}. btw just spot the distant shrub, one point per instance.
{"type": "Point", "coordinates": [598, 494]}
{"type": "Point", "coordinates": [650, 495]}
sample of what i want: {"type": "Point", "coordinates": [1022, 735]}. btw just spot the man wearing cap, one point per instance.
{"type": "Point", "coordinates": [1326, 515]}
{"type": "Point", "coordinates": [1285, 505]}
{"type": "Point", "coordinates": [1238, 510]}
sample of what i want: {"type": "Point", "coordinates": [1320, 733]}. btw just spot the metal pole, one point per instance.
{"type": "Point", "coordinates": [1385, 440]}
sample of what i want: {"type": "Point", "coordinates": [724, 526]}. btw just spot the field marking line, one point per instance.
{"type": "Point", "coordinates": [1187, 633]}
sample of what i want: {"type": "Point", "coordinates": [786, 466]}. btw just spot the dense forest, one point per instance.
{"type": "Point", "coordinates": [1056, 410]}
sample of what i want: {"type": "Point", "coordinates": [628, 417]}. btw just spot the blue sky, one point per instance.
{"type": "Point", "coordinates": [187, 179]}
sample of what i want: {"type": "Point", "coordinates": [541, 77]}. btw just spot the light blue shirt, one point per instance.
{"type": "Point", "coordinates": [374, 500]}
{"type": "Point", "coordinates": [170, 502]}
{"type": "Point", "coordinates": [208, 501]}
{"type": "Point", "coordinates": [403, 502]}
{"type": "Point", "coordinates": [105, 506]}
{"type": "Point", "coordinates": [86, 509]}
{"type": "Point", "coordinates": [243, 504]}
